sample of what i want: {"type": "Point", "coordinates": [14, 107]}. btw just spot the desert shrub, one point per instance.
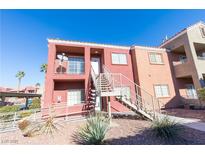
{"type": "Point", "coordinates": [166, 129]}
{"type": "Point", "coordinates": [48, 127]}
{"type": "Point", "coordinates": [36, 103]}
{"type": "Point", "coordinates": [93, 132]}
{"type": "Point", "coordinates": [24, 124]}
{"type": "Point", "coordinates": [26, 128]}
{"type": "Point", "coordinates": [13, 108]}
{"type": "Point", "coordinates": [201, 94]}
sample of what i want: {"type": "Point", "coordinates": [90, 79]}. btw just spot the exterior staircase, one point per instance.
{"type": "Point", "coordinates": [114, 84]}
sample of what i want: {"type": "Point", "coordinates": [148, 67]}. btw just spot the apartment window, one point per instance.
{"type": "Point", "coordinates": [75, 65]}
{"type": "Point", "coordinates": [191, 91]}
{"type": "Point", "coordinates": [75, 96]}
{"type": "Point", "coordinates": [161, 90]}
{"type": "Point", "coordinates": [155, 58]}
{"type": "Point", "coordinates": [119, 58]}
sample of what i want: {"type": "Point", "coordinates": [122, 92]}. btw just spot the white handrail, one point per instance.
{"type": "Point", "coordinates": [153, 99]}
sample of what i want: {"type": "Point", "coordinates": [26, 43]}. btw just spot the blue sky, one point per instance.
{"type": "Point", "coordinates": [24, 33]}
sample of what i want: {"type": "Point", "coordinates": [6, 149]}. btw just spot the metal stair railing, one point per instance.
{"type": "Point", "coordinates": [138, 96]}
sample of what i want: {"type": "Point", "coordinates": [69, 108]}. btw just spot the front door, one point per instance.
{"type": "Point", "coordinates": [95, 63]}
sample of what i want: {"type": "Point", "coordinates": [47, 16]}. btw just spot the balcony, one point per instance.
{"type": "Point", "coordinates": [73, 68]}
{"type": "Point", "coordinates": [182, 68]}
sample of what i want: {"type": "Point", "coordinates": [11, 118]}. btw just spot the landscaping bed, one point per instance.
{"type": "Point", "coordinates": [123, 131]}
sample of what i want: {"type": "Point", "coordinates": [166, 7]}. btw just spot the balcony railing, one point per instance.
{"type": "Point", "coordinates": [67, 67]}
{"type": "Point", "coordinates": [190, 96]}
{"type": "Point", "coordinates": [180, 62]}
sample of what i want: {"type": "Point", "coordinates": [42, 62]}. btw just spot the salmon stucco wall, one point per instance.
{"type": "Point", "coordinates": [149, 74]}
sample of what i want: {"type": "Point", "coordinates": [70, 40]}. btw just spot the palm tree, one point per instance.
{"type": "Point", "coordinates": [44, 68]}
{"type": "Point", "coordinates": [37, 86]}
{"type": "Point", "coordinates": [20, 75]}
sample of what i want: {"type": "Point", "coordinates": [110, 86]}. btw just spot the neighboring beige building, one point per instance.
{"type": "Point", "coordinates": [187, 60]}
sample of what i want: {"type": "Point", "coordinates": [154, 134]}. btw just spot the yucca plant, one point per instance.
{"type": "Point", "coordinates": [166, 129]}
{"type": "Point", "coordinates": [94, 131]}
{"type": "Point", "coordinates": [49, 126]}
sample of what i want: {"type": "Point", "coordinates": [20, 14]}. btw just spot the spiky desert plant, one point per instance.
{"type": "Point", "coordinates": [166, 129]}
{"type": "Point", "coordinates": [94, 130]}
{"type": "Point", "coordinates": [48, 127]}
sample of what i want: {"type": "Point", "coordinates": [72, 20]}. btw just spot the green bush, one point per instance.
{"type": "Point", "coordinates": [201, 94]}
{"type": "Point", "coordinates": [36, 103]}
{"type": "Point", "coordinates": [166, 129]}
{"type": "Point", "coordinates": [12, 108]}
{"type": "Point", "coordinates": [93, 132]}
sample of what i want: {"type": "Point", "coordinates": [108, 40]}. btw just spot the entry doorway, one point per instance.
{"type": "Point", "coordinates": [95, 63]}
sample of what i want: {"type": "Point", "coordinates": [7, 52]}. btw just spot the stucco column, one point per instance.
{"type": "Point", "coordinates": [49, 83]}
{"type": "Point", "coordinates": [87, 69]}
{"type": "Point", "coordinates": [197, 76]}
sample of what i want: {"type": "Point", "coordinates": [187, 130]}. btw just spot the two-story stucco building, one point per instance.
{"type": "Point", "coordinates": [82, 75]}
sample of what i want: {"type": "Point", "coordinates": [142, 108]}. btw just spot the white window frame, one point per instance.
{"type": "Point", "coordinates": [161, 93]}
{"type": "Point", "coordinates": [155, 58]}
{"type": "Point", "coordinates": [78, 67]}
{"type": "Point", "coordinates": [191, 91]}
{"type": "Point", "coordinates": [75, 96]}
{"type": "Point", "coordinates": [118, 59]}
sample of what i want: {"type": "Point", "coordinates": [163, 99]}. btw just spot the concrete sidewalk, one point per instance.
{"type": "Point", "coordinates": [189, 122]}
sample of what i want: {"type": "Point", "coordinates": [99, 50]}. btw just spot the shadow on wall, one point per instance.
{"type": "Point", "coordinates": [176, 100]}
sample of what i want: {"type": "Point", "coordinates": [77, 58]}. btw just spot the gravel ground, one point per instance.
{"type": "Point", "coordinates": [186, 113]}
{"type": "Point", "coordinates": [123, 131]}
